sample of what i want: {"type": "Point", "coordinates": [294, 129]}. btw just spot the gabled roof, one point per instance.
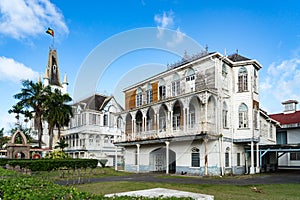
{"type": "Point", "coordinates": [289, 118]}
{"type": "Point", "coordinates": [93, 102]}
{"type": "Point", "coordinates": [237, 57]}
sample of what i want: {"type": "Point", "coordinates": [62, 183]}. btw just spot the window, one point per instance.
{"type": "Point", "coordinates": [162, 89]}
{"type": "Point", "coordinates": [105, 120]}
{"type": "Point", "coordinates": [139, 97]}
{"type": "Point", "coordinates": [149, 96]}
{"type": "Point", "coordinates": [192, 116]}
{"type": "Point", "coordinates": [149, 93]}
{"type": "Point", "coordinates": [243, 116]}
{"type": "Point", "coordinates": [162, 92]}
{"type": "Point", "coordinates": [162, 123]}
{"type": "Point", "coordinates": [224, 70]}
{"type": "Point", "coordinates": [119, 122]}
{"type": "Point", "coordinates": [175, 88]}
{"type": "Point", "coordinates": [255, 118]}
{"type": "Point", "coordinates": [238, 159]}
{"type": "Point", "coordinates": [271, 131]}
{"type": "Point", "coordinates": [281, 137]}
{"type": "Point", "coordinates": [190, 75]}
{"type": "Point", "coordinates": [225, 115]}
{"type": "Point", "coordinates": [176, 122]}
{"type": "Point", "coordinates": [243, 80]}
{"type": "Point", "coordinates": [226, 159]}
{"type": "Point", "coordinates": [91, 139]}
{"type": "Point", "coordinates": [176, 85]}
{"type": "Point", "coordinates": [195, 157]}
{"type": "Point", "coordinates": [255, 81]}
{"type": "Point", "coordinates": [295, 156]}
{"type": "Point", "coordinates": [149, 125]}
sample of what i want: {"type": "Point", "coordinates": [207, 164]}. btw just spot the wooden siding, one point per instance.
{"type": "Point", "coordinates": [155, 92]}
{"type": "Point", "coordinates": [130, 99]}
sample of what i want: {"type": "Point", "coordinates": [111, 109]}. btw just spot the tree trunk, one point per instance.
{"type": "Point", "coordinates": [50, 131]}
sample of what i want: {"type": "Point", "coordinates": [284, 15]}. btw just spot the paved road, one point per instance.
{"type": "Point", "coordinates": [271, 178]}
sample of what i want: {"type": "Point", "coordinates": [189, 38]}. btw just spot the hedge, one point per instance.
{"type": "Point", "coordinates": [50, 164]}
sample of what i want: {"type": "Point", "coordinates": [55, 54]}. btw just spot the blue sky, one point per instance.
{"type": "Point", "coordinates": [268, 31]}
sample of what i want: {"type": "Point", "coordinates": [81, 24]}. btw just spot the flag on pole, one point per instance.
{"type": "Point", "coordinates": [50, 32]}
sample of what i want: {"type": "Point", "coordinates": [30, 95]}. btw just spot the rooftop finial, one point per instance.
{"type": "Point", "coordinates": [206, 48]}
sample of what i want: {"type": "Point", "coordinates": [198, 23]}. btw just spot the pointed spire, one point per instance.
{"type": "Point", "coordinates": [46, 76]}
{"type": "Point", "coordinates": [65, 79]}
{"type": "Point", "coordinates": [39, 79]}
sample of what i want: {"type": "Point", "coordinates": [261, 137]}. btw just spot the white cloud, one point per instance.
{"type": "Point", "coordinates": [22, 18]}
{"type": "Point", "coordinates": [7, 121]}
{"type": "Point", "coordinates": [283, 81]}
{"type": "Point", "coordinates": [166, 20]}
{"type": "Point", "coordinates": [176, 39]}
{"type": "Point", "coordinates": [11, 70]}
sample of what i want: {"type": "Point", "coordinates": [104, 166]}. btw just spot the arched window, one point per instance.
{"type": "Point", "coordinates": [243, 80]}
{"type": "Point", "coordinates": [149, 93]}
{"type": "Point", "coordinates": [227, 161]}
{"type": "Point", "coordinates": [119, 122]}
{"type": "Point", "coordinates": [190, 75]}
{"type": "Point", "coordinates": [195, 157]}
{"type": "Point", "coordinates": [192, 116]}
{"type": "Point", "coordinates": [176, 85]}
{"type": "Point", "coordinates": [162, 89]}
{"type": "Point", "coordinates": [225, 115]}
{"type": "Point", "coordinates": [139, 97]}
{"type": "Point", "coordinates": [243, 116]}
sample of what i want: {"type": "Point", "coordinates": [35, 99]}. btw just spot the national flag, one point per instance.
{"type": "Point", "coordinates": [50, 32]}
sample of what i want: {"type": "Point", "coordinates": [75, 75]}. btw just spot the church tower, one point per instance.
{"type": "Point", "coordinates": [52, 74]}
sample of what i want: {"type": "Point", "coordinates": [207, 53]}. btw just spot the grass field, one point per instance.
{"type": "Point", "coordinates": [220, 192]}
{"type": "Point", "coordinates": [265, 192]}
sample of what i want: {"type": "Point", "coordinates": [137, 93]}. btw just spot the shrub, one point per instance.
{"type": "Point", "coordinates": [103, 162]}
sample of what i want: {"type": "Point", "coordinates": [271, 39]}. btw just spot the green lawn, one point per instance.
{"type": "Point", "coordinates": [274, 192]}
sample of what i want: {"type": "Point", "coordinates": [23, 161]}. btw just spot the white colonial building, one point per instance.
{"type": "Point", "coordinates": [288, 135]}
{"type": "Point", "coordinates": [198, 117]}
{"type": "Point", "coordinates": [93, 130]}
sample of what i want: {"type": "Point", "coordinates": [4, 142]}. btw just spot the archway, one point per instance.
{"type": "Point", "coordinates": [158, 160]}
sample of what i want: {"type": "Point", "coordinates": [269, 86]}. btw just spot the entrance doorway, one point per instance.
{"type": "Point", "coordinates": [158, 160]}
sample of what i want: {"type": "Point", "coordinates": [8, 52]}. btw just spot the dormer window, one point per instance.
{"type": "Point", "coordinates": [290, 106]}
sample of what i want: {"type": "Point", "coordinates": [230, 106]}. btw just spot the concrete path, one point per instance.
{"type": "Point", "coordinates": [281, 177]}
{"type": "Point", "coordinates": [162, 192]}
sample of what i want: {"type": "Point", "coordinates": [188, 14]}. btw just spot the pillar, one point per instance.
{"type": "Point", "coordinates": [257, 159]}
{"type": "Point", "coordinates": [138, 158]}
{"type": "Point", "coordinates": [252, 170]}
{"type": "Point", "coordinates": [167, 157]}
{"type": "Point", "coordinates": [116, 158]}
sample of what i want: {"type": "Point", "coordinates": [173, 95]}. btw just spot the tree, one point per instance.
{"type": "Point", "coordinates": [57, 112]}
{"type": "Point", "coordinates": [3, 139]}
{"type": "Point", "coordinates": [33, 96]}
{"type": "Point", "coordinates": [61, 144]}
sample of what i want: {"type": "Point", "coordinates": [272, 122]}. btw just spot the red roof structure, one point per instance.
{"type": "Point", "coordinates": [288, 118]}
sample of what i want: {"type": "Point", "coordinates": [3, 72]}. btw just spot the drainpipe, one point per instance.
{"type": "Point", "coordinates": [206, 156]}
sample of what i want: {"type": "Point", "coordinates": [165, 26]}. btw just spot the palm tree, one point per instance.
{"type": "Point", "coordinates": [61, 144]}
{"type": "Point", "coordinates": [57, 112]}
{"type": "Point", "coordinates": [33, 96]}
